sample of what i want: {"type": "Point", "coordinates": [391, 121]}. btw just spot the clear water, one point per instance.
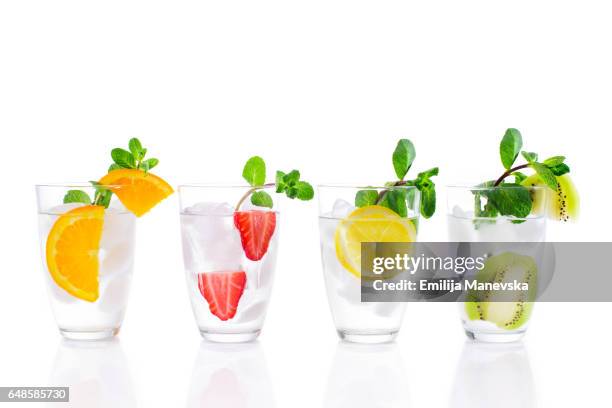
{"type": "Point", "coordinates": [344, 292]}
{"type": "Point", "coordinates": [211, 243]}
{"type": "Point", "coordinates": [116, 259]}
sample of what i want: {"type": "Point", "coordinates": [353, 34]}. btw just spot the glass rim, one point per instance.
{"type": "Point", "coordinates": [362, 187]}
{"type": "Point", "coordinates": [482, 188]}
{"type": "Point", "coordinates": [221, 185]}
{"type": "Point", "coordinates": [74, 184]}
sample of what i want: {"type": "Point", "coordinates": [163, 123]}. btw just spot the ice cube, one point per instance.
{"type": "Point", "coordinates": [252, 312]}
{"type": "Point", "coordinates": [210, 208]}
{"type": "Point", "coordinates": [386, 309]}
{"type": "Point", "coordinates": [211, 242]}
{"type": "Point", "coordinates": [342, 208]}
{"type": "Point", "coordinates": [459, 213]}
{"type": "Point", "coordinates": [114, 296]}
{"type": "Point", "coordinates": [117, 243]}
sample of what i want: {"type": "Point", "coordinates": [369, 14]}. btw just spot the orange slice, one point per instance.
{"type": "Point", "coordinates": [137, 190]}
{"type": "Point", "coordinates": [72, 251]}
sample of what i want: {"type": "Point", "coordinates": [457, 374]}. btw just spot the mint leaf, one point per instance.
{"type": "Point", "coordinates": [510, 199]}
{"type": "Point", "coordinates": [553, 161]}
{"type": "Point", "coordinates": [510, 146]}
{"type": "Point", "coordinates": [428, 200]}
{"type": "Point", "coordinates": [123, 158]}
{"type": "Point", "coordinates": [254, 171]}
{"type": "Point", "coordinates": [149, 163]}
{"type": "Point", "coordinates": [305, 191]}
{"type": "Point", "coordinates": [136, 148]}
{"type": "Point", "coordinates": [77, 196]}
{"type": "Point", "coordinates": [403, 156]}
{"type": "Point", "coordinates": [114, 166]}
{"type": "Point", "coordinates": [530, 156]}
{"type": "Point", "coordinates": [519, 177]}
{"type": "Point", "coordinates": [280, 183]}
{"type": "Point", "coordinates": [428, 173]}
{"type": "Point", "coordinates": [395, 200]}
{"type": "Point", "coordinates": [560, 169]}
{"type": "Point", "coordinates": [292, 177]}
{"type": "Point", "coordinates": [366, 197]}
{"type": "Point", "coordinates": [546, 175]}
{"type": "Point", "coordinates": [261, 199]}
{"type": "Point", "coordinates": [103, 194]}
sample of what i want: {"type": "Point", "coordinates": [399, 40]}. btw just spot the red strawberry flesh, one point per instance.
{"type": "Point", "coordinates": [222, 290]}
{"type": "Point", "coordinates": [256, 229]}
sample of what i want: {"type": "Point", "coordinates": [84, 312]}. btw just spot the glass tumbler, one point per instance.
{"type": "Point", "coordinates": [88, 257]}
{"type": "Point", "coordinates": [468, 222]}
{"type": "Point", "coordinates": [229, 252]}
{"type": "Point", "coordinates": [342, 228]}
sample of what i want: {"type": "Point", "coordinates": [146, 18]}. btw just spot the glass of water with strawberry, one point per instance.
{"type": "Point", "coordinates": [230, 242]}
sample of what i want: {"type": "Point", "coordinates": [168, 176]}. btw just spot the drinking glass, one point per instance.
{"type": "Point", "coordinates": [497, 321]}
{"type": "Point", "coordinates": [343, 228]}
{"type": "Point", "coordinates": [88, 257]}
{"type": "Point", "coordinates": [229, 257]}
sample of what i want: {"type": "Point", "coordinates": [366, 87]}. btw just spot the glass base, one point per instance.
{"type": "Point", "coordinates": [230, 337]}
{"type": "Point", "coordinates": [367, 338]}
{"type": "Point", "coordinates": [495, 337]}
{"type": "Point", "coordinates": [89, 335]}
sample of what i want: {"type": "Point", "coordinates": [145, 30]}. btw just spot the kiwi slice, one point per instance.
{"type": "Point", "coordinates": [563, 204]}
{"type": "Point", "coordinates": [505, 267]}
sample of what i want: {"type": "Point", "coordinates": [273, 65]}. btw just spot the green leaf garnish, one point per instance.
{"type": "Point", "coordinates": [136, 149]}
{"type": "Point", "coordinates": [123, 158]}
{"type": "Point", "coordinates": [546, 175]}
{"type": "Point", "coordinates": [519, 177]}
{"type": "Point", "coordinates": [103, 194]}
{"type": "Point", "coordinates": [77, 196]}
{"type": "Point", "coordinates": [560, 169]}
{"type": "Point", "coordinates": [262, 199]}
{"type": "Point", "coordinates": [394, 196]}
{"type": "Point", "coordinates": [510, 146]}
{"type": "Point", "coordinates": [403, 156]}
{"type": "Point", "coordinates": [366, 197]}
{"type": "Point", "coordinates": [254, 171]}
{"type": "Point", "coordinates": [514, 199]}
{"type": "Point", "coordinates": [305, 191]}
{"type": "Point", "coordinates": [530, 156]}
{"type": "Point", "coordinates": [553, 161]}
{"type": "Point", "coordinates": [395, 200]}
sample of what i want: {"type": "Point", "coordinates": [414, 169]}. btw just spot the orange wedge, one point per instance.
{"type": "Point", "coordinates": [72, 251]}
{"type": "Point", "coordinates": [137, 190]}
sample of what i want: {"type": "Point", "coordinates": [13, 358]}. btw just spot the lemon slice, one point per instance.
{"type": "Point", "coordinates": [372, 223]}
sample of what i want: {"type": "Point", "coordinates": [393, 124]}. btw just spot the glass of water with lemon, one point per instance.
{"type": "Point", "coordinates": [346, 219]}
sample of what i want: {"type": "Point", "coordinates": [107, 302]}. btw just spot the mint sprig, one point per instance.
{"type": "Point", "coordinates": [134, 158]}
{"type": "Point", "coordinates": [515, 199]}
{"type": "Point", "coordinates": [254, 172]}
{"type": "Point", "coordinates": [397, 199]}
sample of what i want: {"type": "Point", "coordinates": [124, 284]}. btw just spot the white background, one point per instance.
{"type": "Point", "coordinates": [326, 87]}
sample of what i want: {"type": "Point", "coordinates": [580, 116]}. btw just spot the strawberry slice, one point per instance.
{"type": "Point", "coordinates": [222, 291]}
{"type": "Point", "coordinates": [256, 229]}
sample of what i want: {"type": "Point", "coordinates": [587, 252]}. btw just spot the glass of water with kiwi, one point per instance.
{"type": "Point", "coordinates": [514, 207]}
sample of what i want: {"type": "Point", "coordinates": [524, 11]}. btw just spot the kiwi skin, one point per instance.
{"type": "Point", "coordinates": [563, 204]}
{"type": "Point", "coordinates": [506, 315]}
